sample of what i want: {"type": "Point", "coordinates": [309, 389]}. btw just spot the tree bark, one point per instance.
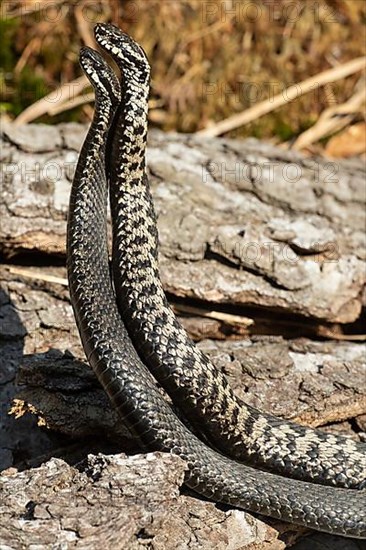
{"type": "Point", "coordinates": [241, 223]}
{"type": "Point", "coordinates": [260, 252]}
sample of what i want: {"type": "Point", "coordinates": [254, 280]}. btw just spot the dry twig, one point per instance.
{"type": "Point", "coordinates": [289, 94]}
{"type": "Point", "coordinates": [331, 120]}
{"type": "Point", "coordinates": [66, 92]}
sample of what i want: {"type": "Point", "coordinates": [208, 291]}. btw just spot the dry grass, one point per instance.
{"type": "Point", "coordinates": [210, 59]}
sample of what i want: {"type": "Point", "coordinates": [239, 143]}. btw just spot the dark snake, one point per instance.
{"type": "Point", "coordinates": [199, 389]}
{"type": "Point", "coordinates": [128, 382]}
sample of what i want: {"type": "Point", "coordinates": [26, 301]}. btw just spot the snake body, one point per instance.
{"type": "Point", "coordinates": [130, 385]}
{"type": "Point", "coordinates": [199, 389]}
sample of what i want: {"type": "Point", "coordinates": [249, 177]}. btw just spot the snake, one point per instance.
{"type": "Point", "coordinates": [194, 384]}
{"type": "Point", "coordinates": [129, 384]}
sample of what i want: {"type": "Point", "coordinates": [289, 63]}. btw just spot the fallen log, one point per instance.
{"type": "Point", "coordinates": [257, 245]}
{"type": "Point", "coordinates": [242, 224]}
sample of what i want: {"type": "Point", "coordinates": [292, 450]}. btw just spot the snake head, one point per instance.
{"type": "Point", "coordinates": [100, 74]}
{"type": "Point", "coordinates": [128, 55]}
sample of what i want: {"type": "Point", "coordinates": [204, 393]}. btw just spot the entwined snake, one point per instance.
{"type": "Point", "coordinates": [198, 388]}
{"type": "Point", "coordinates": [111, 353]}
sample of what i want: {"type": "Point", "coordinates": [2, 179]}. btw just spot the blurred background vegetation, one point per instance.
{"type": "Point", "coordinates": [210, 58]}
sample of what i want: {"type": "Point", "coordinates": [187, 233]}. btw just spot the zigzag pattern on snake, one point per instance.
{"type": "Point", "coordinates": [130, 385]}
{"type": "Point", "coordinates": [199, 389]}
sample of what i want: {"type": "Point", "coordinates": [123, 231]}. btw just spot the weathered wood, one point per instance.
{"type": "Point", "coordinates": [312, 381]}
{"type": "Point", "coordinates": [119, 502]}
{"type": "Point", "coordinates": [316, 383]}
{"type": "Point", "coordinates": [241, 222]}
{"type": "Point", "coordinates": [247, 249]}
{"type": "Point", "coordinates": [57, 393]}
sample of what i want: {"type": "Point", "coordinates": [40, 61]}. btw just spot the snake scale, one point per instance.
{"type": "Point", "coordinates": [127, 381]}
{"type": "Point", "coordinates": [199, 389]}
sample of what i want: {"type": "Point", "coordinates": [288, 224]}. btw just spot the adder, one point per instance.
{"type": "Point", "coordinates": [128, 382]}
{"type": "Point", "coordinates": [199, 389]}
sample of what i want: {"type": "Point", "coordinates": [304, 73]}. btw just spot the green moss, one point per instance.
{"type": "Point", "coordinates": [8, 28]}
{"type": "Point", "coordinates": [8, 57]}
{"type": "Point", "coordinates": [283, 130]}
{"type": "Point", "coordinates": [17, 93]}
{"type": "Point", "coordinates": [27, 89]}
{"type": "Point", "coordinates": [5, 107]}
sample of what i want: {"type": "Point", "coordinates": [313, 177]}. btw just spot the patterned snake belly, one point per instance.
{"type": "Point", "coordinates": [194, 384]}
{"type": "Point", "coordinates": [128, 382]}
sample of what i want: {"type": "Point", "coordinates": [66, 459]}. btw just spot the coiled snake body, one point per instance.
{"type": "Point", "coordinates": [127, 381]}
{"type": "Point", "coordinates": [195, 385]}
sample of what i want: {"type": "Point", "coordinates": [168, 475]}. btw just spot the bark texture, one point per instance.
{"type": "Point", "coordinates": [257, 245]}
{"type": "Point", "coordinates": [240, 223]}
